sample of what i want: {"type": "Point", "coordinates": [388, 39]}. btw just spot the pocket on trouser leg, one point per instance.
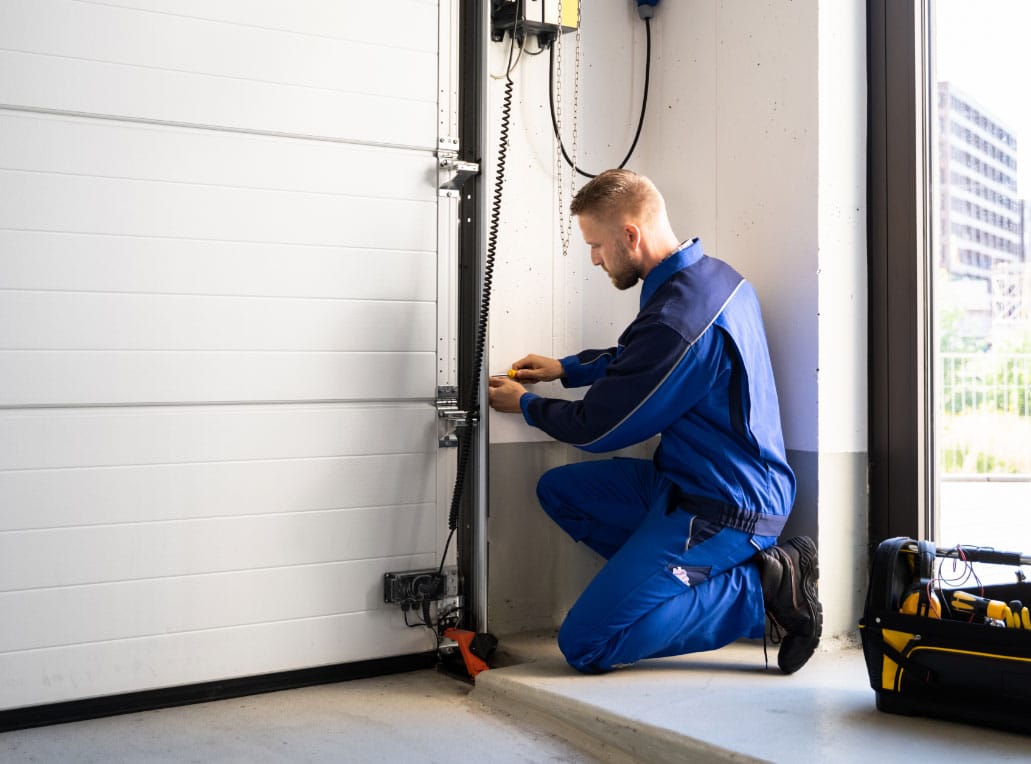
{"type": "Point", "coordinates": [689, 575]}
{"type": "Point", "coordinates": [699, 531]}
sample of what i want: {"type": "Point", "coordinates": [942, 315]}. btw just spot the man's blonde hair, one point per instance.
{"type": "Point", "coordinates": [618, 194]}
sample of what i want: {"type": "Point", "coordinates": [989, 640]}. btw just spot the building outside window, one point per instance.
{"type": "Point", "coordinates": [979, 119]}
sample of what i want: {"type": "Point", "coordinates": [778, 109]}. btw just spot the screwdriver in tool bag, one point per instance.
{"type": "Point", "coordinates": [981, 607]}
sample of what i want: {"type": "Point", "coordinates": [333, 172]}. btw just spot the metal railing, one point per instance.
{"type": "Point", "coordinates": [985, 382]}
{"type": "Point", "coordinates": [984, 413]}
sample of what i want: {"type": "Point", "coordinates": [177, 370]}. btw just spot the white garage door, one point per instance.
{"type": "Point", "coordinates": [220, 335]}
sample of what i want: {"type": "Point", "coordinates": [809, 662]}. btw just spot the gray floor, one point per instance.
{"type": "Point", "coordinates": [422, 717]}
{"type": "Point", "coordinates": [727, 706]}
{"type": "Point", "coordinates": [715, 707]}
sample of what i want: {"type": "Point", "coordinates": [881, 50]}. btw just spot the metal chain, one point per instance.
{"type": "Point", "coordinates": [565, 222]}
{"type": "Point", "coordinates": [576, 105]}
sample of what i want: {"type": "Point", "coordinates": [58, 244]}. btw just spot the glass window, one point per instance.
{"type": "Point", "coordinates": [950, 318]}
{"type": "Point", "coordinates": [981, 329]}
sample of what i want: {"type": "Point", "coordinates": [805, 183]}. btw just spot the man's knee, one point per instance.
{"type": "Point", "coordinates": [577, 647]}
{"type": "Point", "coordinates": [555, 490]}
{"type": "Point", "coordinates": [551, 484]}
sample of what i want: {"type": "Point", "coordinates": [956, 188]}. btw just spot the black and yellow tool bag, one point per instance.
{"type": "Point", "coordinates": [959, 653]}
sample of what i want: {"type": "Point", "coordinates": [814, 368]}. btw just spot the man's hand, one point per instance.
{"type": "Point", "coordinates": [505, 394]}
{"type": "Point", "coordinates": [538, 368]}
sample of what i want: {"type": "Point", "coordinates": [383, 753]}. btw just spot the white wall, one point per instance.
{"type": "Point", "coordinates": [546, 301]}
{"type": "Point", "coordinates": [777, 95]}
{"type": "Point", "coordinates": [842, 306]}
{"type": "Point", "coordinates": [730, 139]}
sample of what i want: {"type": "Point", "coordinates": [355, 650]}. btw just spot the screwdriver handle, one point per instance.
{"type": "Point", "coordinates": [965, 602]}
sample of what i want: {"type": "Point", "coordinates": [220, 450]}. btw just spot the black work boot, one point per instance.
{"type": "Point", "coordinates": [789, 573]}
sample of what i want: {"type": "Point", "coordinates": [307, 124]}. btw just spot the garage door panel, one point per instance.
{"type": "Point", "coordinates": [114, 149]}
{"type": "Point", "coordinates": [49, 378]}
{"type": "Point", "coordinates": [44, 618]}
{"type": "Point", "coordinates": [82, 497]}
{"type": "Point", "coordinates": [98, 59]}
{"type": "Point", "coordinates": [63, 321]}
{"type": "Point", "coordinates": [35, 260]}
{"type": "Point", "coordinates": [128, 665]}
{"type": "Point", "coordinates": [220, 286]}
{"type": "Point", "coordinates": [102, 554]}
{"type": "Point", "coordinates": [90, 205]}
{"type": "Point", "coordinates": [113, 35]}
{"type": "Point", "coordinates": [52, 439]}
{"type": "Point", "coordinates": [31, 81]}
{"type": "Point", "coordinates": [357, 22]}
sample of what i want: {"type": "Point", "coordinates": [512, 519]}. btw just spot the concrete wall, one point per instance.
{"type": "Point", "coordinates": [755, 133]}
{"type": "Point", "coordinates": [842, 310]}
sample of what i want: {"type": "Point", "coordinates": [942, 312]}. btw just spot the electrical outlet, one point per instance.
{"type": "Point", "coordinates": [418, 586]}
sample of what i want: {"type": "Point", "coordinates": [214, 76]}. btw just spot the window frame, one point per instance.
{"type": "Point", "coordinates": [902, 498]}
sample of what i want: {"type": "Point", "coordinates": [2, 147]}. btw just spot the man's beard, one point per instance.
{"type": "Point", "coordinates": [625, 273]}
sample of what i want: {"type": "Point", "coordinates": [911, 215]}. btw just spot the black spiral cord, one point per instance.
{"type": "Point", "coordinates": [471, 414]}
{"type": "Point", "coordinates": [644, 103]}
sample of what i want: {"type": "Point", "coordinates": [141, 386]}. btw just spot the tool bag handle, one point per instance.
{"type": "Point", "coordinates": [984, 554]}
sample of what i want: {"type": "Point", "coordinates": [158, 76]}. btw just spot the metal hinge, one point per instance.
{"type": "Point", "coordinates": [452, 417]}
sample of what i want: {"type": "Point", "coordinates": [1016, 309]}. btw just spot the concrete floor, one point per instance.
{"type": "Point", "coordinates": [422, 716]}
{"type": "Point", "coordinates": [726, 706]}
{"type": "Point", "coordinates": [716, 707]}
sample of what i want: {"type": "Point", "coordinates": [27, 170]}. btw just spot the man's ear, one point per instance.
{"type": "Point", "coordinates": [632, 235]}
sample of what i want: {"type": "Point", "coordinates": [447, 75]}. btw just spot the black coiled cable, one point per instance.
{"type": "Point", "coordinates": [465, 440]}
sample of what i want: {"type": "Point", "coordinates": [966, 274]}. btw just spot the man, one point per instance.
{"type": "Point", "coordinates": [689, 535]}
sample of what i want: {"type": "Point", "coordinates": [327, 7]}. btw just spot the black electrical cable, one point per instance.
{"type": "Point", "coordinates": [464, 434]}
{"type": "Point", "coordinates": [640, 121]}
{"type": "Point", "coordinates": [465, 440]}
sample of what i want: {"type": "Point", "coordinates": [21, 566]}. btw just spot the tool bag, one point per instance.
{"type": "Point", "coordinates": [961, 653]}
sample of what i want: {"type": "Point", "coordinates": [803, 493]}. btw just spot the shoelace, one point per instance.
{"type": "Point", "coordinates": [774, 635]}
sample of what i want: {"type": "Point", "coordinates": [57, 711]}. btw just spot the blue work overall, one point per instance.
{"type": "Point", "coordinates": [679, 531]}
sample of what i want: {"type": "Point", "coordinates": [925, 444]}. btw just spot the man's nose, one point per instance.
{"type": "Point", "coordinates": [595, 258]}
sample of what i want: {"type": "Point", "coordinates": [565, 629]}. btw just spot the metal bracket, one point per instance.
{"type": "Point", "coordinates": [450, 163]}
{"type": "Point", "coordinates": [454, 418]}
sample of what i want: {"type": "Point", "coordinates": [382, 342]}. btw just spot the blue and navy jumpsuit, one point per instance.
{"type": "Point", "coordinates": [679, 530]}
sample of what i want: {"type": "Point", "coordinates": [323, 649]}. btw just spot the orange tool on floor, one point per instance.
{"type": "Point", "coordinates": [474, 664]}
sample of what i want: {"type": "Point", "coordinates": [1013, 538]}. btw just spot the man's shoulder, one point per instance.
{"type": "Point", "coordinates": [693, 297]}
{"type": "Point", "coordinates": [708, 270]}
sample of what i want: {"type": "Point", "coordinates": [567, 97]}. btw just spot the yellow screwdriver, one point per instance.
{"type": "Point", "coordinates": [981, 607]}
